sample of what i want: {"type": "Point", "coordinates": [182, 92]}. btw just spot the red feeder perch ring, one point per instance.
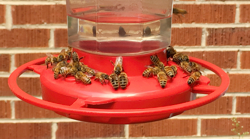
{"type": "Point", "coordinates": [142, 101]}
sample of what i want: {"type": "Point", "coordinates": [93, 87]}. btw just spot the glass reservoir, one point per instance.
{"type": "Point", "coordinates": [119, 27]}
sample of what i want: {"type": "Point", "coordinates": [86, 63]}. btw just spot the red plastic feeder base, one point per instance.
{"type": "Point", "coordinates": [142, 101]}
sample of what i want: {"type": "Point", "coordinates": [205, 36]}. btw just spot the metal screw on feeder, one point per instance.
{"type": "Point", "coordinates": [102, 31]}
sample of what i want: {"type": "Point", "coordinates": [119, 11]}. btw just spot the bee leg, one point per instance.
{"type": "Point", "coordinates": [112, 62]}
{"type": "Point", "coordinates": [101, 82]}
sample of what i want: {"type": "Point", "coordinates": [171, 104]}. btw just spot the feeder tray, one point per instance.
{"type": "Point", "coordinates": [142, 101]}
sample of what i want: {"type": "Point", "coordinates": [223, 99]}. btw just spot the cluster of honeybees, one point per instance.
{"type": "Point", "coordinates": [118, 77]}
{"type": "Point", "coordinates": [163, 72]}
{"type": "Point", "coordinates": [82, 72]}
{"type": "Point", "coordinates": [158, 69]}
{"type": "Point", "coordinates": [191, 68]}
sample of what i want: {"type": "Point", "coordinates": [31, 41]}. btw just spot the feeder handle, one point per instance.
{"type": "Point", "coordinates": [219, 91]}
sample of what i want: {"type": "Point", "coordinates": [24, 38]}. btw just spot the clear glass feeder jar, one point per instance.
{"type": "Point", "coordinates": [119, 27]}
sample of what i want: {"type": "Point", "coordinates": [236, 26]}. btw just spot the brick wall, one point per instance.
{"type": "Point", "coordinates": [215, 31]}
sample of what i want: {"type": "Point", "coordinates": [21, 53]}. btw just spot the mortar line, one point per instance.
{"type": "Point", "coordinates": [52, 39]}
{"type": "Point", "coordinates": [212, 2]}
{"type": "Point", "coordinates": [54, 128]}
{"type": "Point", "coordinates": [198, 127]}
{"type": "Point", "coordinates": [229, 95]}
{"type": "Point", "coordinates": [237, 14]}
{"type": "Point", "coordinates": [189, 137]}
{"type": "Point", "coordinates": [10, 98]}
{"type": "Point", "coordinates": [30, 50]}
{"type": "Point", "coordinates": [4, 74]}
{"type": "Point", "coordinates": [126, 131]}
{"type": "Point", "coordinates": [3, 26]}
{"type": "Point", "coordinates": [63, 120]}
{"type": "Point", "coordinates": [16, 98]}
{"type": "Point", "coordinates": [176, 25]}
{"type": "Point", "coordinates": [12, 63]}
{"type": "Point", "coordinates": [24, 75]}
{"type": "Point", "coordinates": [210, 25]}
{"type": "Point", "coordinates": [232, 71]}
{"type": "Point", "coordinates": [234, 103]}
{"type": "Point", "coordinates": [47, 120]}
{"type": "Point", "coordinates": [178, 48]}
{"type": "Point", "coordinates": [32, 2]}
{"type": "Point", "coordinates": [12, 105]}
{"type": "Point", "coordinates": [41, 26]}
{"type": "Point", "coordinates": [8, 17]}
{"type": "Point", "coordinates": [204, 37]}
{"type": "Point", "coordinates": [64, 2]}
{"type": "Point", "coordinates": [239, 59]}
{"type": "Point", "coordinates": [212, 116]}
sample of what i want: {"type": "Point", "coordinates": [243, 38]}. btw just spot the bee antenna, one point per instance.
{"type": "Point", "coordinates": [112, 62]}
{"type": "Point", "coordinates": [81, 58]}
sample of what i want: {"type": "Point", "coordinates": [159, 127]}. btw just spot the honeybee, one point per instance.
{"type": "Point", "coordinates": [156, 70]}
{"type": "Point", "coordinates": [123, 80]}
{"type": "Point", "coordinates": [147, 31]}
{"type": "Point", "coordinates": [61, 56]}
{"type": "Point", "coordinates": [60, 64]}
{"type": "Point", "coordinates": [82, 77]}
{"type": "Point", "coordinates": [170, 71]}
{"type": "Point", "coordinates": [174, 69]}
{"type": "Point", "coordinates": [179, 57]}
{"type": "Point", "coordinates": [194, 66]}
{"type": "Point", "coordinates": [194, 77]}
{"type": "Point", "coordinates": [170, 52]}
{"type": "Point", "coordinates": [50, 60]}
{"type": "Point", "coordinates": [179, 11]}
{"type": "Point", "coordinates": [65, 71]}
{"type": "Point", "coordinates": [162, 78]}
{"type": "Point", "coordinates": [122, 32]}
{"type": "Point", "coordinates": [113, 78]}
{"type": "Point", "coordinates": [148, 72]}
{"type": "Point", "coordinates": [82, 67]}
{"type": "Point", "coordinates": [87, 69]}
{"type": "Point", "coordinates": [57, 68]}
{"type": "Point", "coordinates": [156, 61]}
{"type": "Point", "coordinates": [185, 58]}
{"type": "Point", "coordinates": [101, 77]}
{"type": "Point", "coordinates": [57, 72]}
{"type": "Point", "coordinates": [75, 57]}
{"type": "Point", "coordinates": [118, 65]}
{"type": "Point", "coordinates": [72, 67]}
{"type": "Point", "coordinates": [68, 53]}
{"type": "Point", "coordinates": [94, 30]}
{"type": "Point", "coordinates": [186, 67]}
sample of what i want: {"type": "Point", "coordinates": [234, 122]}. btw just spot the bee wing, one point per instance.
{"type": "Point", "coordinates": [89, 75]}
{"type": "Point", "coordinates": [118, 60]}
{"type": "Point", "coordinates": [64, 68]}
{"type": "Point", "coordinates": [63, 51]}
{"type": "Point", "coordinates": [95, 71]}
{"type": "Point", "coordinates": [148, 66]}
{"type": "Point", "coordinates": [164, 51]}
{"type": "Point", "coordinates": [70, 48]}
{"type": "Point", "coordinates": [49, 55]}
